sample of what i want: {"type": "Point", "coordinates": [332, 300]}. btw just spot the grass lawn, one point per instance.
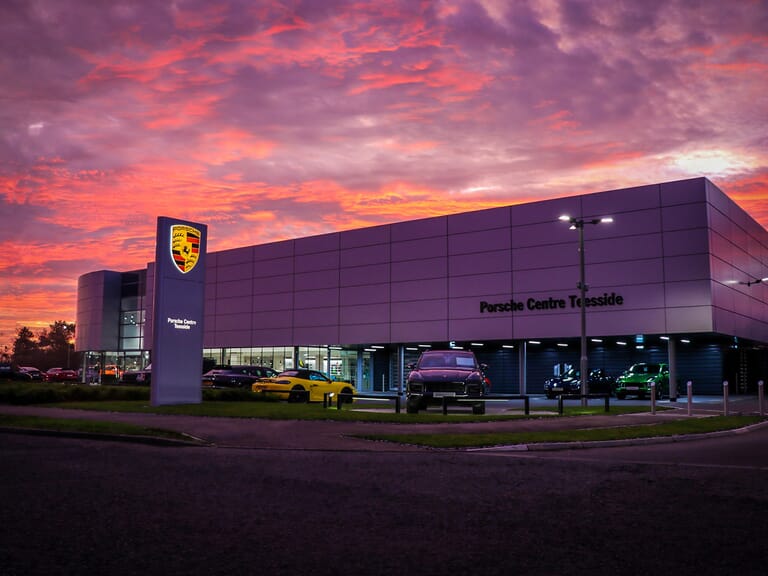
{"type": "Point", "coordinates": [475, 440]}
{"type": "Point", "coordinates": [81, 426]}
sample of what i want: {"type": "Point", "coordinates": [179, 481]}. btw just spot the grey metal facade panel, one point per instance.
{"type": "Point", "coordinates": [317, 261]}
{"type": "Point", "coordinates": [230, 322]}
{"type": "Point", "coordinates": [315, 335]}
{"type": "Point", "coordinates": [413, 290]}
{"type": "Point", "coordinates": [278, 301]}
{"type": "Point", "coordinates": [460, 286]}
{"type": "Point", "coordinates": [322, 297]}
{"type": "Point", "coordinates": [479, 263]}
{"type": "Point", "coordinates": [687, 241]}
{"type": "Point", "coordinates": [421, 249]}
{"type": "Point", "coordinates": [364, 314]}
{"type": "Point", "coordinates": [490, 219]}
{"type": "Point", "coordinates": [271, 336]}
{"type": "Point", "coordinates": [234, 257]}
{"type": "Point", "coordinates": [683, 191]}
{"type": "Point", "coordinates": [273, 251]}
{"type": "Point", "coordinates": [419, 331]}
{"type": "Point", "coordinates": [374, 274]}
{"type": "Point", "coordinates": [684, 216]}
{"type": "Point", "coordinates": [365, 237]}
{"type": "Point", "coordinates": [317, 244]}
{"type": "Point", "coordinates": [365, 255]}
{"type": "Point", "coordinates": [315, 280]}
{"type": "Point", "coordinates": [545, 211]}
{"type": "Point", "coordinates": [415, 229]}
{"type": "Point", "coordinates": [616, 202]}
{"type": "Point", "coordinates": [688, 267]}
{"type": "Point", "coordinates": [270, 319]}
{"type": "Point", "coordinates": [273, 284]}
{"type": "Point", "coordinates": [232, 272]}
{"type": "Point", "coordinates": [481, 329]}
{"type": "Point", "coordinates": [234, 289]}
{"type": "Point", "coordinates": [365, 333]}
{"type": "Point", "coordinates": [364, 295]}
{"type": "Point", "coordinates": [479, 241]}
{"type": "Point", "coordinates": [419, 269]}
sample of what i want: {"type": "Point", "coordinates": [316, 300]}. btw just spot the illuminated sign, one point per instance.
{"type": "Point", "coordinates": [185, 247]}
{"type": "Point", "coordinates": [177, 317]}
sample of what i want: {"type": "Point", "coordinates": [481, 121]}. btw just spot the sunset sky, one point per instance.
{"type": "Point", "coordinates": [270, 120]}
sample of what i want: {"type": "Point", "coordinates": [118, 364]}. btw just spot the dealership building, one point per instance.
{"type": "Point", "coordinates": [676, 276]}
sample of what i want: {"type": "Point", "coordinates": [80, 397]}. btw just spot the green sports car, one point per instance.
{"type": "Point", "coordinates": [637, 380]}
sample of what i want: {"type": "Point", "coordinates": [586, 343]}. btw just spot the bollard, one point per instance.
{"type": "Point", "coordinates": [689, 386]}
{"type": "Point", "coordinates": [653, 397]}
{"type": "Point", "coordinates": [760, 390]}
{"type": "Point", "coordinates": [725, 398]}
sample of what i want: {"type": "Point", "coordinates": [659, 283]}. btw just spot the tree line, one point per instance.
{"type": "Point", "coordinates": [51, 347]}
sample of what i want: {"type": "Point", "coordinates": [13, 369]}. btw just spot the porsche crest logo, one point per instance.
{"type": "Point", "coordinates": [185, 247]}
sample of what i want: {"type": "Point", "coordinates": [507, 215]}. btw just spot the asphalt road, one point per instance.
{"type": "Point", "coordinates": [71, 506]}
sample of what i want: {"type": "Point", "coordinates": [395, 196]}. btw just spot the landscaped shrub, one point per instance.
{"type": "Point", "coordinates": [24, 393]}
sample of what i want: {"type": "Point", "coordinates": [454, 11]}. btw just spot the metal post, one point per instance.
{"type": "Point", "coordinates": [584, 361]}
{"type": "Point", "coordinates": [653, 397]}
{"type": "Point", "coordinates": [725, 398]}
{"type": "Point", "coordinates": [760, 397]}
{"type": "Point", "coordinates": [672, 358]}
{"type": "Point", "coordinates": [689, 386]}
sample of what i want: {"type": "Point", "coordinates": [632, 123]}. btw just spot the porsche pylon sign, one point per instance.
{"type": "Point", "coordinates": [177, 313]}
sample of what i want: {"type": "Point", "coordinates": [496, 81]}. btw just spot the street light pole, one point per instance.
{"type": "Point", "coordinates": [578, 224]}
{"type": "Point", "coordinates": [584, 360]}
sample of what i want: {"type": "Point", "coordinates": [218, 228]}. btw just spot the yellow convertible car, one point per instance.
{"type": "Point", "coordinates": [302, 385]}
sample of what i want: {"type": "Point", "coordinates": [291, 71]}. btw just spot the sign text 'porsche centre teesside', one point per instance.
{"type": "Point", "coordinates": [534, 304]}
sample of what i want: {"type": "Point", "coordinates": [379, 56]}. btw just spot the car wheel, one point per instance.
{"type": "Point", "coordinates": [297, 394]}
{"type": "Point", "coordinates": [347, 400]}
{"type": "Point", "coordinates": [412, 406]}
{"type": "Point", "coordinates": [621, 395]}
{"type": "Point", "coordinates": [478, 408]}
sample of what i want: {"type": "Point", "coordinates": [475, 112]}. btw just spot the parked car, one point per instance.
{"type": "Point", "coordinates": [302, 385]}
{"type": "Point", "coordinates": [637, 379]}
{"type": "Point", "coordinates": [61, 375]}
{"type": "Point", "coordinates": [28, 374]}
{"type": "Point", "coordinates": [240, 376]}
{"type": "Point", "coordinates": [598, 382]}
{"type": "Point", "coordinates": [111, 372]}
{"type": "Point", "coordinates": [6, 370]}
{"type": "Point", "coordinates": [137, 377]}
{"type": "Point", "coordinates": [441, 373]}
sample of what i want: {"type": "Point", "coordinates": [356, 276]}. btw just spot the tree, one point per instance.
{"type": "Point", "coordinates": [25, 348]}
{"type": "Point", "coordinates": [56, 344]}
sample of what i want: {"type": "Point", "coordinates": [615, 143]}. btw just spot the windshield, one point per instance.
{"type": "Point", "coordinates": [460, 360]}
{"type": "Point", "coordinates": [644, 369]}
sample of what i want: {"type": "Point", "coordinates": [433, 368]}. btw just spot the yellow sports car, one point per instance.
{"type": "Point", "coordinates": [302, 385]}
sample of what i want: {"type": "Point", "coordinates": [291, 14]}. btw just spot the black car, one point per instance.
{"type": "Point", "coordinates": [240, 376]}
{"type": "Point", "coordinates": [445, 373]}
{"type": "Point", "coordinates": [598, 382]}
{"type": "Point", "coordinates": [28, 374]}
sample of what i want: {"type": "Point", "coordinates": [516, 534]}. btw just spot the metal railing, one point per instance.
{"type": "Point", "coordinates": [345, 398]}
{"type": "Point", "coordinates": [562, 397]}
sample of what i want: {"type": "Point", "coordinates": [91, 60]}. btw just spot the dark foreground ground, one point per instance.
{"type": "Point", "coordinates": [70, 506]}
